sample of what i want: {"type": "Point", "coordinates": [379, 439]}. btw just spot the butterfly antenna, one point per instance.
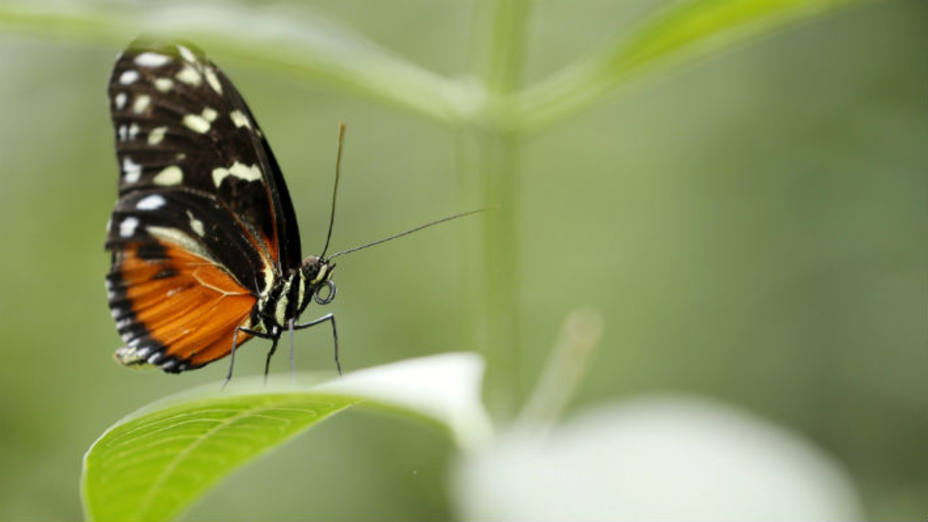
{"type": "Point", "coordinates": [407, 232]}
{"type": "Point", "coordinates": [338, 169]}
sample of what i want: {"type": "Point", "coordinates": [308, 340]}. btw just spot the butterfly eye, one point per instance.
{"type": "Point", "coordinates": [329, 295]}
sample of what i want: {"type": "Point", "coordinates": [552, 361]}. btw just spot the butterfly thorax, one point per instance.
{"type": "Point", "coordinates": [291, 294]}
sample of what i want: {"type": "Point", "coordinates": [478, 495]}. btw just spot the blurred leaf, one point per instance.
{"type": "Point", "coordinates": [157, 461]}
{"type": "Point", "coordinates": [684, 31]}
{"type": "Point", "coordinates": [295, 42]}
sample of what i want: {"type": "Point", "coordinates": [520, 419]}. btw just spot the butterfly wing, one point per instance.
{"type": "Point", "coordinates": [204, 224]}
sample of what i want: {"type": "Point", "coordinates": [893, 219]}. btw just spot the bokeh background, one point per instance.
{"type": "Point", "coordinates": [752, 228]}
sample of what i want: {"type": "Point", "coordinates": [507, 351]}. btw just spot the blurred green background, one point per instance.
{"type": "Point", "coordinates": [751, 226]}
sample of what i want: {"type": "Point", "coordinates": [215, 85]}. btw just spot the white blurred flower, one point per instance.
{"type": "Point", "coordinates": [656, 458]}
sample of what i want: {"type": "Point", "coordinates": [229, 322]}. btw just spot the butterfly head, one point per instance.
{"type": "Point", "coordinates": [316, 272]}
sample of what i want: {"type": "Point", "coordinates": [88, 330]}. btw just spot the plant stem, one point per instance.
{"type": "Point", "coordinates": [498, 52]}
{"type": "Point", "coordinates": [567, 365]}
{"type": "Point", "coordinates": [305, 46]}
{"type": "Point", "coordinates": [499, 188]}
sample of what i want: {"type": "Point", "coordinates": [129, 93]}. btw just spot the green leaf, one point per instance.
{"type": "Point", "coordinates": [156, 462]}
{"type": "Point", "coordinates": [294, 42]}
{"type": "Point", "coordinates": [684, 31]}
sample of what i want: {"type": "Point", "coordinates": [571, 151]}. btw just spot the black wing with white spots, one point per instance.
{"type": "Point", "coordinates": [180, 124]}
{"type": "Point", "coordinates": [204, 226]}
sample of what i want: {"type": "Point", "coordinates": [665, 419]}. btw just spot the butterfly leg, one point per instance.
{"type": "Point", "coordinates": [331, 318]}
{"type": "Point", "coordinates": [235, 343]}
{"type": "Point", "coordinates": [270, 353]}
{"type": "Point", "coordinates": [290, 324]}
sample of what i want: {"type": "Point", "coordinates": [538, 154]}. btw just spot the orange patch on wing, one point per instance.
{"type": "Point", "coordinates": [273, 246]}
{"type": "Point", "coordinates": [186, 302]}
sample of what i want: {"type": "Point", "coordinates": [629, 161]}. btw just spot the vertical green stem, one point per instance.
{"type": "Point", "coordinates": [498, 53]}
{"type": "Point", "coordinates": [500, 263]}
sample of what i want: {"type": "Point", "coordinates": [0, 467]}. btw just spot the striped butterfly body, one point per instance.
{"type": "Point", "coordinates": [204, 239]}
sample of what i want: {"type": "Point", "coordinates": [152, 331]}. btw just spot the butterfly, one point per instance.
{"type": "Point", "coordinates": [204, 239]}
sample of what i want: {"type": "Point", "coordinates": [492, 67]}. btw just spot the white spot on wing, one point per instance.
{"type": "Point", "coordinates": [149, 59]}
{"type": "Point", "coordinates": [132, 171]}
{"type": "Point", "coordinates": [164, 84]}
{"type": "Point", "coordinates": [189, 75]}
{"type": "Point", "coordinates": [133, 131]}
{"type": "Point", "coordinates": [209, 114]}
{"type": "Point", "coordinates": [128, 225]}
{"type": "Point", "coordinates": [186, 53]}
{"type": "Point", "coordinates": [178, 237]}
{"type": "Point", "coordinates": [156, 135]}
{"type": "Point", "coordinates": [196, 123]}
{"type": "Point", "coordinates": [239, 119]}
{"type": "Point", "coordinates": [237, 170]}
{"type": "Point", "coordinates": [120, 100]}
{"type": "Point", "coordinates": [153, 202]}
{"type": "Point", "coordinates": [172, 175]}
{"type": "Point", "coordinates": [122, 132]}
{"type": "Point", "coordinates": [128, 77]}
{"type": "Point", "coordinates": [196, 225]}
{"type": "Point", "coordinates": [212, 80]}
{"type": "Point", "coordinates": [141, 103]}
